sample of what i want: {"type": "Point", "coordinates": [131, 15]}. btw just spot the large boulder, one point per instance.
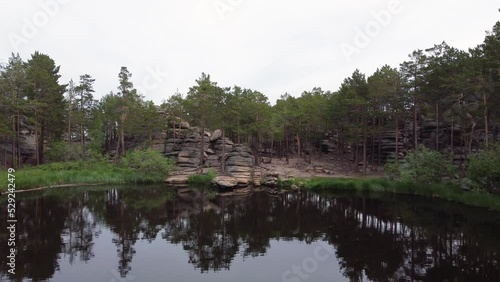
{"type": "Point", "coordinates": [177, 180]}
{"type": "Point", "coordinates": [225, 182]}
{"type": "Point", "coordinates": [216, 135]}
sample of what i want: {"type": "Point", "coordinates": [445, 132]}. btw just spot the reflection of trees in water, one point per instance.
{"type": "Point", "coordinates": [80, 228]}
{"type": "Point", "coordinates": [39, 241]}
{"type": "Point", "coordinates": [380, 239]}
{"type": "Point", "coordinates": [414, 242]}
{"type": "Point", "coordinates": [124, 223]}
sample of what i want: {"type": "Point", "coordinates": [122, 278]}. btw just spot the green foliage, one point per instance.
{"type": "Point", "coordinates": [442, 191]}
{"type": "Point", "coordinates": [136, 167]}
{"type": "Point", "coordinates": [62, 151]}
{"type": "Point", "coordinates": [148, 165]}
{"type": "Point", "coordinates": [46, 96]}
{"type": "Point", "coordinates": [57, 152]}
{"type": "Point", "coordinates": [422, 166]}
{"type": "Point", "coordinates": [202, 179]}
{"type": "Point", "coordinates": [484, 169]}
{"type": "Point", "coordinates": [211, 194]}
{"type": "Point", "coordinates": [63, 173]}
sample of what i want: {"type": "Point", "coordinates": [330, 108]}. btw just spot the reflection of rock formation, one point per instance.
{"type": "Point", "coordinates": [400, 240]}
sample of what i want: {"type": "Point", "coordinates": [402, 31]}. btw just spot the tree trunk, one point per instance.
{"type": "Point", "coordinates": [117, 151]}
{"type": "Point", "coordinates": [37, 156]}
{"type": "Point", "coordinates": [280, 150]}
{"type": "Point", "coordinates": [396, 133]}
{"type": "Point", "coordinates": [364, 149]}
{"type": "Point", "coordinates": [271, 150]}
{"type": "Point", "coordinates": [437, 126]}
{"type": "Point", "coordinates": [69, 126]}
{"type": "Point", "coordinates": [356, 157]}
{"type": "Point", "coordinates": [18, 137]}
{"type": "Point", "coordinates": [415, 123]}
{"type": "Point", "coordinates": [379, 137]}
{"type": "Point", "coordinates": [41, 141]}
{"type": "Point", "coordinates": [257, 151]}
{"type": "Point", "coordinates": [202, 135]}
{"type": "Point", "coordinates": [310, 147]}
{"type": "Point", "coordinates": [82, 141]}
{"type": "Point", "coordinates": [372, 153]}
{"type": "Point", "coordinates": [486, 132]}
{"type": "Point", "coordinates": [13, 143]}
{"type": "Point", "coordinates": [286, 147]}
{"type": "Point", "coordinates": [452, 135]}
{"type": "Point", "coordinates": [239, 141]}
{"type": "Point", "coordinates": [223, 163]}
{"type": "Point", "coordinates": [122, 139]}
{"type": "Point", "coordinates": [298, 147]}
{"type": "Point", "coordinates": [123, 118]}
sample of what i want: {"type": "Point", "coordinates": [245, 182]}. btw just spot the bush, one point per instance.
{"type": "Point", "coordinates": [202, 179]}
{"type": "Point", "coordinates": [147, 166]}
{"type": "Point", "coordinates": [62, 151]}
{"type": "Point", "coordinates": [424, 166]}
{"type": "Point", "coordinates": [484, 169]}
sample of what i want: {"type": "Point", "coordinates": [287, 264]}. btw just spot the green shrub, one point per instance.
{"type": "Point", "coordinates": [424, 166]}
{"type": "Point", "coordinates": [484, 169]}
{"type": "Point", "coordinates": [62, 151]}
{"type": "Point", "coordinates": [391, 170]}
{"type": "Point", "coordinates": [202, 179]}
{"type": "Point", "coordinates": [147, 166]}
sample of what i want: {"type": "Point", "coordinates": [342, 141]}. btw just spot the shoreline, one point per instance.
{"type": "Point", "coordinates": [287, 175]}
{"type": "Point", "coordinates": [446, 192]}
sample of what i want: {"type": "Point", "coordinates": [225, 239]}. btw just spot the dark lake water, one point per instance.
{"type": "Point", "coordinates": [158, 234]}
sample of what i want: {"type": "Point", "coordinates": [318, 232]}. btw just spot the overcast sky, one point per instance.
{"type": "Point", "coordinates": [273, 46]}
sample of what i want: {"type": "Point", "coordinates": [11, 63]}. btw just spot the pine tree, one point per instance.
{"type": "Point", "coordinates": [45, 95]}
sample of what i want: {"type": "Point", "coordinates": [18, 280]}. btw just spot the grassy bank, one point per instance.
{"type": "Point", "coordinates": [79, 172]}
{"type": "Point", "coordinates": [441, 191]}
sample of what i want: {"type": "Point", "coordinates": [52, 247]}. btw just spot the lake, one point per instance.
{"type": "Point", "coordinates": [154, 233]}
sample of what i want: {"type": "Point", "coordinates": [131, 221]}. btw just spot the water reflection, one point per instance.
{"type": "Point", "coordinates": [375, 238]}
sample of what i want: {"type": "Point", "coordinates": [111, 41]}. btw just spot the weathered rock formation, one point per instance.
{"type": "Point", "coordinates": [225, 182]}
{"type": "Point", "coordinates": [184, 144]}
{"type": "Point", "coordinates": [240, 164]}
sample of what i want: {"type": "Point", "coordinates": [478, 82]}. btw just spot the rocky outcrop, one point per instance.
{"type": "Point", "coordinates": [240, 164]}
{"type": "Point", "coordinates": [225, 182]}
{"type": "Point", "coordinates": [177, 180]}
{"type": "Point", "coordinates": [183, 143]}
{"type": "Point", "coordinates": [270, 179]}
{"type": "Point", "coordinates": [220, 143]}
